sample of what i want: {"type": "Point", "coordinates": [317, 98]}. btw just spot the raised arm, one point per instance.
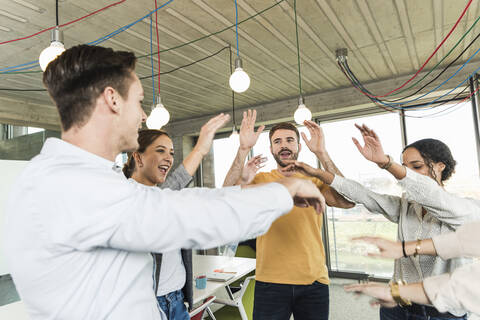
{"type": "Point", "coordinates": [204, 143]}
{"type": "Point", "coordinates": [316, 144]}
{"type": "Point", "coordinates": [248, 138]}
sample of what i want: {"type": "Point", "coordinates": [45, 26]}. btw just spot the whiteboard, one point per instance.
{"type": "Point", "coordinates": [9, 171]}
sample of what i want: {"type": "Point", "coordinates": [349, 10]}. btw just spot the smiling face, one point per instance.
{"type": "Point", "coordinates": [284, 146]}
{"type": "Point", "coordinates": [153, 165]}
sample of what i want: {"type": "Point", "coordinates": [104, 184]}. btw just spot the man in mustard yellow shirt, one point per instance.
{"type": "Point", "coordinates": [292, 277]}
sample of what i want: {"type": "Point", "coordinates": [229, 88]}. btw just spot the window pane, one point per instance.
{"type": "Point", "coordinates": [345, 224]}
{"type": "Point", "coordinates": [224, 152]}
{"type": "Point", "coordinates": [452, 125]}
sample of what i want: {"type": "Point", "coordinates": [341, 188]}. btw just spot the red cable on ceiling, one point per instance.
{"type": "Point", "coordinates": [429, 58]}
{"type": "Point", "coordinates": [65, 24]}
{"type": "Point", "coordinates": [158, 46]}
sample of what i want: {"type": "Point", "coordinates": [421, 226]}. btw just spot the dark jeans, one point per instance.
{"type": "Point", "coordinates": [173, 306]}
{"type": "Point", "coordinates": [278, 301]}
{"type": "Point", "coordinates": [416, 312]}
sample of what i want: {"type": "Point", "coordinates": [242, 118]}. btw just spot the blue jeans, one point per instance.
{"type": "Point", "coordinates": [173, 306]}
{"type": "Point", "coordinates": [278, 301]}
{"type": "Point", "coordinates": [416, 312]}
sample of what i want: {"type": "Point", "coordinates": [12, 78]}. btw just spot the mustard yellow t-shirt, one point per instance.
{"type": "Point", "coordinates": [292, 251]}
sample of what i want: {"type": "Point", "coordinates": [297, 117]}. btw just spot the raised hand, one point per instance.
{"type": "Point", "coordinates": [207, 133]}
{"type": "Point", "coordinates": [248, 136]}
{"type": "Point", "coordinates": [372, 149]}
{"type": "Point", "coordinates": [316, 143]}
{"type": "Point", "coordinates": [251, 168]}
{"type": "Point", "coordinates": [379, 291]}
{"type": "Point", "coordinates": [387, 248]}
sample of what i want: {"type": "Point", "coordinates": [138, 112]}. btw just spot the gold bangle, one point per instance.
{"type": "Point", "coordinates": [417, 248]}
{"type": "Point", "coordinates": [388, 164]}
{"type": "Point", "coordinates": [395, 292]}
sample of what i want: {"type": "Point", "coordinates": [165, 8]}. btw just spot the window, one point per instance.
{"type": "Point", "coordinates": [224, 152]}
{"type": "Point", "coordinates": [454, 126]}
{"type": "Point", "coordinates": [31, 130]}
{"type": "Point", "coordinates": [345, 224]}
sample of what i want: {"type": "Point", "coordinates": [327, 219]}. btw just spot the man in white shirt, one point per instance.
{"type": "Point", "coordinates": [79, 234]}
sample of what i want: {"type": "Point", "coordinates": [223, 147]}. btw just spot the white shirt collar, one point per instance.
{"type": "Point", "coordinates": [58, 147]}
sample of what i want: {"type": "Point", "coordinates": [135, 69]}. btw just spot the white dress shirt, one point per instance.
{"type": "Point", "coordinates": [78, 235]}
{"type": "Point", "coordinates": [459, 291]}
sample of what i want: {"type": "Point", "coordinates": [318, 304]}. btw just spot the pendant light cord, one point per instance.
{"type": "Point", "coordinates": [158, 45]}
{"type": "Point", "coordinates": [298, 48]}
{"type": "Point", "coordinates": [236, 28]}
{"type": "Point", "coordinates": [151, 58]}
{"type": "Point", "coordinates": [56, 13]}
{"type": "Point", "coordinates": [233, 92]}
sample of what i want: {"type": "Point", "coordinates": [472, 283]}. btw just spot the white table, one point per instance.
{"type": "Point", "coordinates": [203, 265]}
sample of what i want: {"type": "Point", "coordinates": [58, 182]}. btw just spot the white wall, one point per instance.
{"type": "Point", "coordinates": [9, 170]}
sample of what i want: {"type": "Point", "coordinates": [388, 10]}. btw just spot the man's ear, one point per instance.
{"type": "Point", "coordinates": [299, 147]}
{"type": "Point", "coordinates": [110, 96]}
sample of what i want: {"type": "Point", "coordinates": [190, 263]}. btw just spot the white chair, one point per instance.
{"type": "Point", "coordinates": [244, 302]}
{"type": "Point", "coordinates": [197, 313]}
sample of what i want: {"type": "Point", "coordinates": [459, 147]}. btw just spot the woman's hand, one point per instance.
{"type": "Point", "coordinates": [372, 149]}
{"type": "Point", "coordinates": [379, 291]}
{"type": "Point", "coordinates": [387, 248]}
{"type": "Point", "coordinates": [207, 133]}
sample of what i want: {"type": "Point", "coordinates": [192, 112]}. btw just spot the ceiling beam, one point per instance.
{"type": "Point", "coordinates": [322, 103]}
{"type": "Point", "coordinates": [24, 113]}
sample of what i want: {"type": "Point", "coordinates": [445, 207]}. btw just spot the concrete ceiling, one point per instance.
{"type": "Point", "coordinates": [386, 39]}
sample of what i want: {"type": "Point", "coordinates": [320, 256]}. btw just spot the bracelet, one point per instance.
{"type": "Point", "coordinates": [395, 292]}
{"type": "Point", "coordinates": [403, 249]}
{"type": "Point", "coordinates": [388, 164]}
{"type": "Point", "coordinates": [417, 248]}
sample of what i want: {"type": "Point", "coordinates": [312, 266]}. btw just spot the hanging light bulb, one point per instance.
{"type": "Point", "coordinates": [159, 116]}
{"type": "Point", "coordinates": [53, 51]}
{"type": "Point", "coordinates": [302, 113]}
{"type": "Point", "coordinates": [239, 80]}
{"type": "Point", "coordinates": [234, 135]}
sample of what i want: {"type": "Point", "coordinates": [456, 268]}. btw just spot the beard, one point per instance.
{"type": "Point", "coordinates": [293, 156]}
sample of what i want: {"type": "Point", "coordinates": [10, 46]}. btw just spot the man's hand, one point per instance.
{"type": "Point", "coordinates": [207, 133]}
{"type": "Point", "coordinates": [316, 143]}
{"type": "Point", "coordinates": [248, 136]}
{"type": "Point", "coordinates": [251, 168]}
{"type": "Point", "coordinates": [379, 291]}
{"type": "Point", "coordinates": [305, 193]}
{"type": "Point", "coordinates": [372, 149]}
{"type": "Point", "coordinates": [387, 248]}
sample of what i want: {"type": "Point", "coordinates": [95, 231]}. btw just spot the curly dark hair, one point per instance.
{"type": "Point", "coordinates": [434, 151]}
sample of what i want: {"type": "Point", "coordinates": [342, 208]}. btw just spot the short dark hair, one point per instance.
{"type": "Point", "coordinates": [434, 151]}
{"type": "Point", "coordinates": [283, 126]}
{"type": "Point", "coordinates": [145, 138]}
{"type": "Point", "coordinates": [79, 75]}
